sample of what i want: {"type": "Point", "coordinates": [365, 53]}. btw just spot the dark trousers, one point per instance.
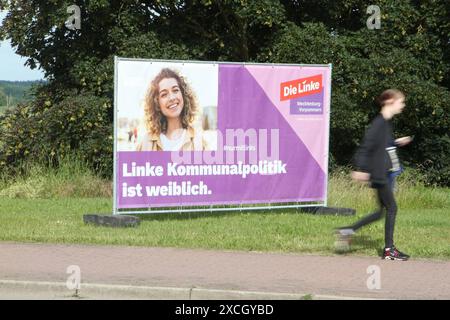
{"type": "Point", "coordinates": [387, 205]}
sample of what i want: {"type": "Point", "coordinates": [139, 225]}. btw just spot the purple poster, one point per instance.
{"type": "Point", "coordinates": [216, 133]}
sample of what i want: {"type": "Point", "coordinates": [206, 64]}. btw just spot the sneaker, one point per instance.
{"type": "Point", "coordinates": [345, 232]}
{"type": "Point", "coordinates": [394, 254]}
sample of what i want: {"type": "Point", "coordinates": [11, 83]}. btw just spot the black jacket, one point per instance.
{"type": "Point", "coordinates": [372, 156]}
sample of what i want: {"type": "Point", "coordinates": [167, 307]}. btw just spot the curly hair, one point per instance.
{"type": "Point", "coordinates": [155, 121]}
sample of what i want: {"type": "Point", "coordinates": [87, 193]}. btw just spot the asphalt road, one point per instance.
{"type": "Point", "coordinates": [39, 271]}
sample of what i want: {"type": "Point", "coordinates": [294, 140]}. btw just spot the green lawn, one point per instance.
{"type": "Point", "coordinates": [423, 224]}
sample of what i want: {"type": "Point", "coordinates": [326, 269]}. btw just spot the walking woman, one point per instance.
{"type": "Point", "coordinates": [377, 162]}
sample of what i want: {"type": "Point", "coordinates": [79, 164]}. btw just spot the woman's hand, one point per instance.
{"type": "Point", "coordinates": [403, 141]}
{"type": "Point", "coordinates": [360, 176]}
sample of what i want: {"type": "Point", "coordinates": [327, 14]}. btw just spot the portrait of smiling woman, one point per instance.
{"type": "Point", "coordinates": [170, 110]}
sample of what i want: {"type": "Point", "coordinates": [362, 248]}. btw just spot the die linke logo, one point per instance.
{"type": "Point", "coordinates": [300, 87]}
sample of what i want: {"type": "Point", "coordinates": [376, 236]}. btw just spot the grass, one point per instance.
{"type": "Point", "coordinates": [53, 214]}
{"type": "Point", "coordinates": [72, 179]}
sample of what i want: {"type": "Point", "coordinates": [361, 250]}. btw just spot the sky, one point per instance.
{"type": "Point", "coordinates": [12, 66]}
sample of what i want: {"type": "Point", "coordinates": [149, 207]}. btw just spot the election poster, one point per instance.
{"type": "Point", "coordinates": [209, 133]}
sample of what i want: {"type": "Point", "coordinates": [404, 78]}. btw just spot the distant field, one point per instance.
{"type": "Point", "coordinates": [14, 92]}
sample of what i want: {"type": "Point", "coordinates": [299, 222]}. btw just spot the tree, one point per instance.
{"type": "Point", "coordinates": [411, 51]}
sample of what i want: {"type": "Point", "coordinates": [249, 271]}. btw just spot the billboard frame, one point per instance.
{"type": "Point", "coordinates": [212, 208]}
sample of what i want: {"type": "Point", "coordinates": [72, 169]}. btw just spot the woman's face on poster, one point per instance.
{"type": "Point", "coordinates": [170, 98]}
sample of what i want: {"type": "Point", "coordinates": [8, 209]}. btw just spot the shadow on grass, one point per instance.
{"type": "Point", "coordinates": [274, 210]}
{"type": "Point", "coordinates": [362, 242]}
{"type": "Point", "coordinates": [216, 214]}
{"type": "Point", "coordinates": [367, 242]}
{"type": "Point", "coordinates": [233, 212]}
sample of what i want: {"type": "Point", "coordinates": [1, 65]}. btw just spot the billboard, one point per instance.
{"type": "Point", "coordinates": [208, 133]}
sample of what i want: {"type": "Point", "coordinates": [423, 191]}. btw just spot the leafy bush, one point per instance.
{"type": "Point", "coordinates": [44, 132]}
{"type": "Point", "coordinates": [361, 71]}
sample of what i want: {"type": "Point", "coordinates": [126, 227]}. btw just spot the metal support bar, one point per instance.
{"type": "Point", "coordinates": [240, 208]}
